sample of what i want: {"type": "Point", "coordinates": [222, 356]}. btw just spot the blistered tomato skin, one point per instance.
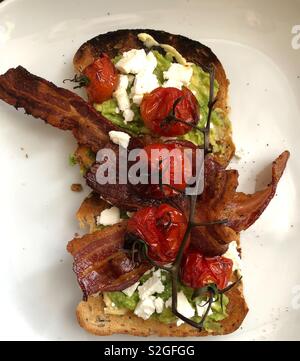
{"type": "Point", "coordinates": [162, 228]}
{"type": "Point", "coordinates": [175, 167]}
{"type": "Point", "coordinates": [157, 106]}
{"type": "Point", "coordinates": [198, 271]}
{"type": "Point", "coordinates": [102, 79]}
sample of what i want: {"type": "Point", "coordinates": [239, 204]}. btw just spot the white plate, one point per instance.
{"type": "Point", "coordinates": [253, 40]}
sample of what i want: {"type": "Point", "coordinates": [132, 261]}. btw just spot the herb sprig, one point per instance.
{"type": "Point", "coordinates": [139, 245]}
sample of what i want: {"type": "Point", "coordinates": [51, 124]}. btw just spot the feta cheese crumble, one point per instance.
{"type": "Point", "coordinates": [144, 82]}
{"type": "Point", "coordinates": [122, 98]}
{"type": "Point", "coordinates": [145, 308]}
{"type": "Point", "coordinates": [109, 217]}
{"type": "Point", "coordinates": [171, 83]}
{"type": "Point", "coordinates": [159, 304]}
{"type": "Point", "coordinates": [137, 62]}
{"type": "Point", "coordinates": [201, 310]}
{"type": "Point", "coordinates": [128, 115]}
{"type": "Point", "coordinates": [183, 306]}
{"type": "Point", "coordinates": [129, 291]}
{"type": "Point", "coordinates": [151, 286]}
{"type": "Point", "coordinates": [119, 138]}
{"type": "Point", "coordinates": [178, 74]}
{"type": "Point", "coordinates": [121, 93]}
{"type": "Point", "coordinates": [132, 61]}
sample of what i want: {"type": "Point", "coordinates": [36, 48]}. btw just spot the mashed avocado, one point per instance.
{"type": "Point", "coordinates": [200, 87]}
{"type": "Point", "coordinates": [166, 316]}
{"type": "Point", "coordinates": [108, 110]}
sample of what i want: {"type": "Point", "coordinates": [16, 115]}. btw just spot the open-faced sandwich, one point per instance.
{"type": "Point", "coordinates": [158, 259]}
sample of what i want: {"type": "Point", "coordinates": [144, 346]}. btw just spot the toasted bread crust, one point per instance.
{"type": "Point", "coordinates": [92, 318]}
{"type": "Point", "coordinates": [116, 42]}
{"type": "Point", "coordinates": [90, 208]}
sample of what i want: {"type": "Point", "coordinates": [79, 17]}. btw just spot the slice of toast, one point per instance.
{"type": "Point", "coordinates": [116, 42]}
{"type": "Point", "coordinates": [92, 317]}
{"type": "Point", "coordinates": [91, 313]}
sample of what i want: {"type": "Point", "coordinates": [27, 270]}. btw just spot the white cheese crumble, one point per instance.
{"type": "Point", "coordinates": [233, 254]}
{"type": "Point", "coordinates": [128, 115]}
{"type": "Point", "coordinates": [179, 73]}
{"type": "Point", "coordinates": [148, 303]}
{"type": "Point", "coordinates": [183, 306]}
{"type": "Point", "coordinates": [122, 98]}
{"type": "Point", "coordinates": [134, 61]}
{"type": "Point", "coordinates": [151, 286]}
{"type": "Point", "coordinates": [129, 291]}
{"type": "Point", "coordinates": [149, 271]}
{"type": "Point", "coordinates": [145, 81]}
{"type": "Point", "coordinates": [121, 93]}
{"type": "Point", "coordinates": [145, 308]}
{"type": "Point", "coordinates": [168, 303]}
{"type": "Point", "coordinates": [137, 62]}
{"type": "Point", "coordinates": [159, 304]}
{"type": "Point", "coordinates": [109, 217]}
{"type": "Point", "coordinates": [201, 310]}
{"type": "Point", "coordinates": [119, 138]}
{"type": "Point", "coordinates": [171, 83]}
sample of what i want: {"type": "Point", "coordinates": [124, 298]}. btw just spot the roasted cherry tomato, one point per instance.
{"type": "Point", "coordinates": [157, 106]}
{"type": "Point", "coordinates": [102, 79]}
{"type": "Point", "coordinates": [173, 166]}
{"type": "Point", "coordinates": [162, 228]}
{"type": "Point", "coordinates": [197, 271]}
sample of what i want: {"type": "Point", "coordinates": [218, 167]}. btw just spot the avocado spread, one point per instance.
{"type": "Point", "coordinates": [121, 300]}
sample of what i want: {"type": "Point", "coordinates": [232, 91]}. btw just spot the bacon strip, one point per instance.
{"type": "Point", "coordinates": [245, 209]}
{"type": "Point", "coordinates": [57, 106]}
{"type": "Point", "coordinates": [128, 196]}
{"type": "Point", "coordinates": [221, 201]}
{"type": "Point", "coordinates": [100, 262]}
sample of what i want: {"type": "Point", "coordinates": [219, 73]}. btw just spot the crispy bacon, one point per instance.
{"type": "Point", "coordinates": [57, 106]}
{"type": "Point", "coordinates": [100, 262]}
{"type": "Point", "coordinates": [121, 195]}
{"type": "Point", "coordinates": [128, 196]}
{"type": "Point", "coordinates": [246, 208]}
{"type": "Point", "coordinates": [221, 201]}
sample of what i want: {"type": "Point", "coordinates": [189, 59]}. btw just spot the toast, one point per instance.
{"type": "Point", "coordinates": [92, 317]}
{"type": "Point", "coordinates": [115, 42]}
{"type": "Point", "coordinates": [91, 313]}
